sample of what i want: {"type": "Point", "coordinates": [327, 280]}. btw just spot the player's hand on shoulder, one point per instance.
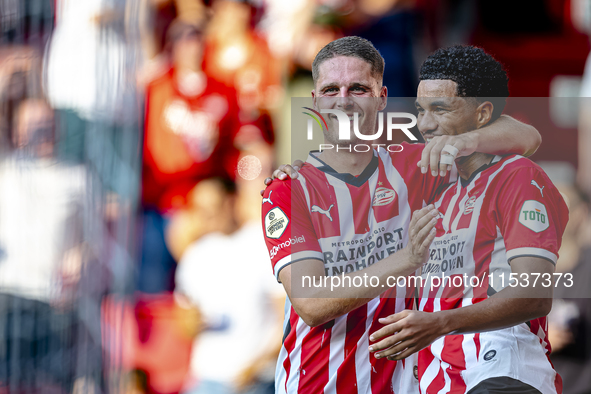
{"type": "Point", "coordinates": [421, 232]}
{"type": "Point", "coordinates": [283, 172]}
{"type": "Point", "coordinates": [439, 154]}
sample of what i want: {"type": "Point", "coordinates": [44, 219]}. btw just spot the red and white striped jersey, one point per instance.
{"type": "Point", "coordinates": [348, 223]}
{"type": "Point", "coordinates": [506, 210]}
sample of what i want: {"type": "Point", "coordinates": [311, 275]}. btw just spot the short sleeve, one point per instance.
{"type": "Point", "coordinates": [287, 227]}
{"type": "Point", "coordinates": [532, 214]}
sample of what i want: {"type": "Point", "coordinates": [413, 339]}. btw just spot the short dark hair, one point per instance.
{"type": "Point", "coordinates": [477, 74]}
{"type": "Point", "coordinates": [352, 46]}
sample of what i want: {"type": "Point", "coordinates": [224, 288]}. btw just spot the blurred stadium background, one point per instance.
{"type": "Point", "coordinates": [134, 139]}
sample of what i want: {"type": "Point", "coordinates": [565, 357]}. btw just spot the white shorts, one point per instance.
{"type": "Point", "coordinates": [464, 361]}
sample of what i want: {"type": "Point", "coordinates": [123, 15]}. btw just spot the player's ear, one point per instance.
{"type": "Point", "coordinates": [314, 98]}
{"type": "Point", "coordinates": [383, 98]}
{"type": "Point", "coordinates": [484, 113]}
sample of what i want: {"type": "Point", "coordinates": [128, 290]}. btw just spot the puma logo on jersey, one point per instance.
{"type": "Point", "coordinates": [268, 199]}
{"type": "Point", "coordinates": [538, 186]}
{"type": "Point", "coordinates": [316, 208]}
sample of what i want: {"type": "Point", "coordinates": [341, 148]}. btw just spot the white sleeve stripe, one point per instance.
{"type": "Point", "coordinates": [537, 252]}
{"type": "Point", "coordinates": [294, 257]}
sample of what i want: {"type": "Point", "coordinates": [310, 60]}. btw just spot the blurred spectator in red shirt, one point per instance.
{"type": "Point", "coordinates": [191, 123]}
{"type": "Point", "coordinates": [193, 131]}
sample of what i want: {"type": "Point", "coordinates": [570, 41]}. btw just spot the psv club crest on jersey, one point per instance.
{"type": "Point", "coordinates": [383, 196]}
{"type": "Point", "coordinates": [469, 206]}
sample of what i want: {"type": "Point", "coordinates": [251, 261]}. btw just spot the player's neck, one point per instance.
{"type": "Point", "coordinates": [346, 162]}
{"type": "Point", "coordinates": [467, 165]}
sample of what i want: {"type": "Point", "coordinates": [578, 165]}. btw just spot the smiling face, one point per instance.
{"type": "Point", "coordinates": [347, 84]}
{"type": "Point", "coordinates": [442, 112]}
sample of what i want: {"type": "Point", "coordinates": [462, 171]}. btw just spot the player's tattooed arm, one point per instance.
{"type": "Point", "coordinates": [504, 135]}
{"type": "Point", "coordinates": [408, 332]}
{"type": "Point", "coordinates": [318, 305]}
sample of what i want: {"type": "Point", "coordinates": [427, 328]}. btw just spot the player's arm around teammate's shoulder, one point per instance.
{"type": "Point", "coordinates": [503, 136]}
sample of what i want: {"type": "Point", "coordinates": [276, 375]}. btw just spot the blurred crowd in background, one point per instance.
{"type": "Point", "coordinates": [134, 139]}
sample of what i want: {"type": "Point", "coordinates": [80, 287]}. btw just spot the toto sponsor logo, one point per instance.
{"type": "Point", "coordinates": [534, 216]}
